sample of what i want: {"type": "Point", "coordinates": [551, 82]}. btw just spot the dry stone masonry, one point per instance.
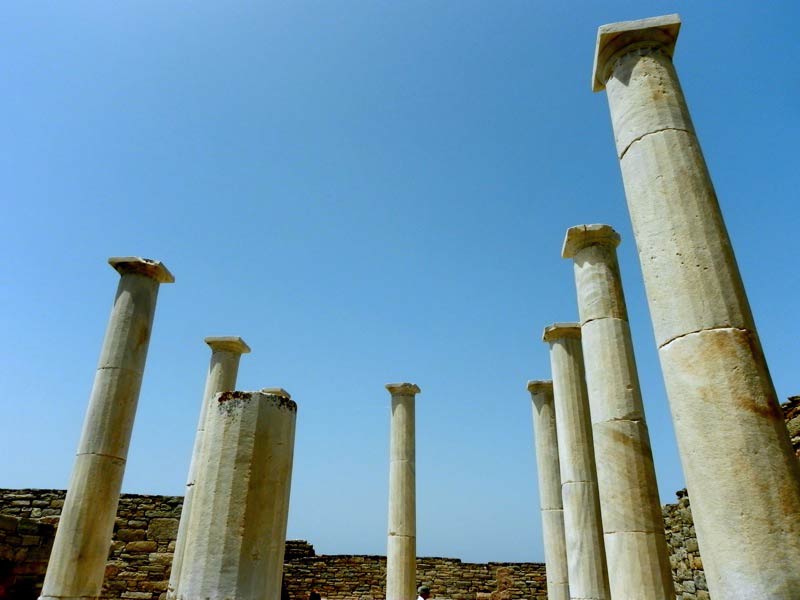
{"type": "Point", "coordinates": [742, 475]}
{"type": "Point", "coordinates": [146, 526]}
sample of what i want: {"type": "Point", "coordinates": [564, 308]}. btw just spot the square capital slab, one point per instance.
{"type": "Point", "coordinates": [403, 389]}
{"type": "Point", "coordinates": [615, 37]}
{"type": "Point", "coordinates": [581, 236]}
{"type": "Point", "coordinates": [230, 343]}
{"type": "Point", "coordinates": [538, 386]}
{"type": "Point", "coordinates": [556, 331]}
{"type": "Point", "coordinates": [154, 269]}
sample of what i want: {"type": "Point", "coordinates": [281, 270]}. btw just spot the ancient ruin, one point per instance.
{"type": "Point", "coordinates": [222, 373]}
{"type": "Point", "coordinates": [80, 549]}
{"type": "Point", "coordinates": [401, 553]}
{"type": "Point", "coordinates": [583, 528]}
{"type": "Point", "coordinates": [237, 528]}
{"type": "Point", "coordinates": [546, 440]}
{"type": "Point", "coordinates": [606, 537]}
{"type": "Point", "coordinates": [636, 549]}
{"type": "Point", "coordinates": [708, 345]}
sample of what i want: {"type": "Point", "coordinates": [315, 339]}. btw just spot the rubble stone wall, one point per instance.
{"type": "Point", "coordinates": [146, 526]}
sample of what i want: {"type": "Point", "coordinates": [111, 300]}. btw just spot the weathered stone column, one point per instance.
{"type": "Point", "coordinates": [241, 498]}
{"type": "Point", "coordinates": [586, 557]}
{"type": "Point", "coordinates": [544, 427]}
{"type": "Point", "coordinates": [80, 549]}
{"type": "Point", "coordinates": [401, 553]}
{"type": "Point", "coordinates": [742, 476]}
{"type": "Point", "coordinates": [222, 372]}
{"type": "Point", "coordinates": [633, 527]}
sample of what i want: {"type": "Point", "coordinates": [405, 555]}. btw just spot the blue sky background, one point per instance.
{"type": "Point", "coordinates": [367, 192]}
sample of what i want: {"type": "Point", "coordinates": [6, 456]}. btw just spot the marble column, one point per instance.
{"type": "Point", "coordinates": [633, 526]}
{"type": "Point", "coordinates": [742, 476]}
{"type": "Point", "coordinates": [80, 549]}
{"type": "Point", "coordinates": [222, 372]}
{"type": "Point", "coordinates": [546, 439]}
{"type": "Point", "coordinates": [401, 553]}
{"type": "Point", "coordinates": [583, 529]}
{"type": "Point", "coordinates": [241, 499]}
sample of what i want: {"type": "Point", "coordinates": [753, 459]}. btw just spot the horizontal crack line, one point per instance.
{"type": "Point", "coordinates": [718, 328]}
{"type": "Point", "coordinates": [641, 137]}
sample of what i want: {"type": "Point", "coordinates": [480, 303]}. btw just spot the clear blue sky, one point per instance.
{"type": "Point", "coordinates": [367, 192]}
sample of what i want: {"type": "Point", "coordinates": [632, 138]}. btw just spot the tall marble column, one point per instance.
{"type": "Point", "coordinates": [583, 529]}
{"type": "Point", "coordinates": [401, 553]}
{"type": "Point", "coordinates": [546, 439]}
{"type": "Point", "coordinates": [222, 372]}
{"type": "Point", "coordinates": [742, 476]}
{"type": "Point", "coordinates": [241, 499]}
{"type": "Point", "coordinates": [78, 559]}
{"type": "Point", "coordinates": [633, 526]}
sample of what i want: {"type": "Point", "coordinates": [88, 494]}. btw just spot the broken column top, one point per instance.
{"type": "Point", "coordinates": [561, 330]}
{"type": "Point", "coordinates": [615, 37]}
{"type": "Point", "coordinates": [539, 385]}
{"type": "Point", "coordinates": [228, 344]}
{"type": "Point", "coordinates": [236, 400]}
{"type": "Point", "coordinates": [154, 269]}
{"type": "Point", "coordinates": [580, 236]}
{"type": "Point", "coordinates": [402, 389]}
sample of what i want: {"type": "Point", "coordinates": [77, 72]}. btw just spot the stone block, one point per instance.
{"type": "Point", "coordinates": [162, 529]}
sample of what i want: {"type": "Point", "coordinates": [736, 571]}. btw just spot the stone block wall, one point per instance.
{"type": "Point", "coordinates": [24, 550]}
{"type": "Point", "coordinates": [146, 526]}
{"type": "Point", "coordinates": [144, 540]}
{"type": "Point", "coordinates": [352, 577]}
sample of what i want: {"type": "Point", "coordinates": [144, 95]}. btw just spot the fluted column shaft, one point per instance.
{"type": "Point", "coordinates": [583, 528]}
{"type": "Point", "coordinates": [742, 476]}
{"type": "Point", "coordinates": [401, 553]}
{"type": "Point", "coordinates": [546, 439]}
{"type": "Point", "coordinates": [83, 538]}
{"type": "Point", "coordinates": [222, 372]}
{"type": "Point", "coordinates": [633, 526]}
{"type": "Point", "coordinates": [241, 499]}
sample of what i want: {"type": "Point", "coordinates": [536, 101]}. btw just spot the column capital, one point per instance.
{"type": "Point", "coordinates": [626, 35]}
{"type": "Point", "coordinates": [557, 331]}
{"type": "Point", "coordinates": [402, 389]}
{"type": "Point", "coordinates": [230, 343]}
{"type": "Point", "coordinates": [276, 391]}
{"type": "Point", "coordinates": [537, 386]}
{"type": "Point", "coordinates": [154, 269]}
{"type": "Point", "coordinates": [581, 236]}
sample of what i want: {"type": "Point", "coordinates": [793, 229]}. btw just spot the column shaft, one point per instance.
{"type": "Point", "coordinates": [633, 527]}
{"type": "Point", "coordinates": [80, 549]}
{"type": "Point", "coordinates": [546, 438]}
{"type": "Point", "coordinates": [222, 373]}
{"type": "Point", "coordinates": [742, 476]}
{"type": "Point", "coordinates": [586, 558]}
{"type": "Point", "coordinates": [241, 499]}
{"type": "Point", "coordinates": [401, 554]}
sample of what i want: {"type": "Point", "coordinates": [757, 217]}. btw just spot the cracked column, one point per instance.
{"type": "Point", "coordinates": [743, 479]}
{"type": "Point", "coordinates": [583, 529]}
{"type": "Point", "coordinates": [234, 548]}
{"type": "Point", "coordinates": [401, 553]}
{"type": "Point", "coordinates": [544, 427]}
{"type": "Point", "coordinates": [222, 372]}
{"type": "Point", "coordinates": [80, 549]}
{"type": "Point", "coordinates": [633, 526]}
